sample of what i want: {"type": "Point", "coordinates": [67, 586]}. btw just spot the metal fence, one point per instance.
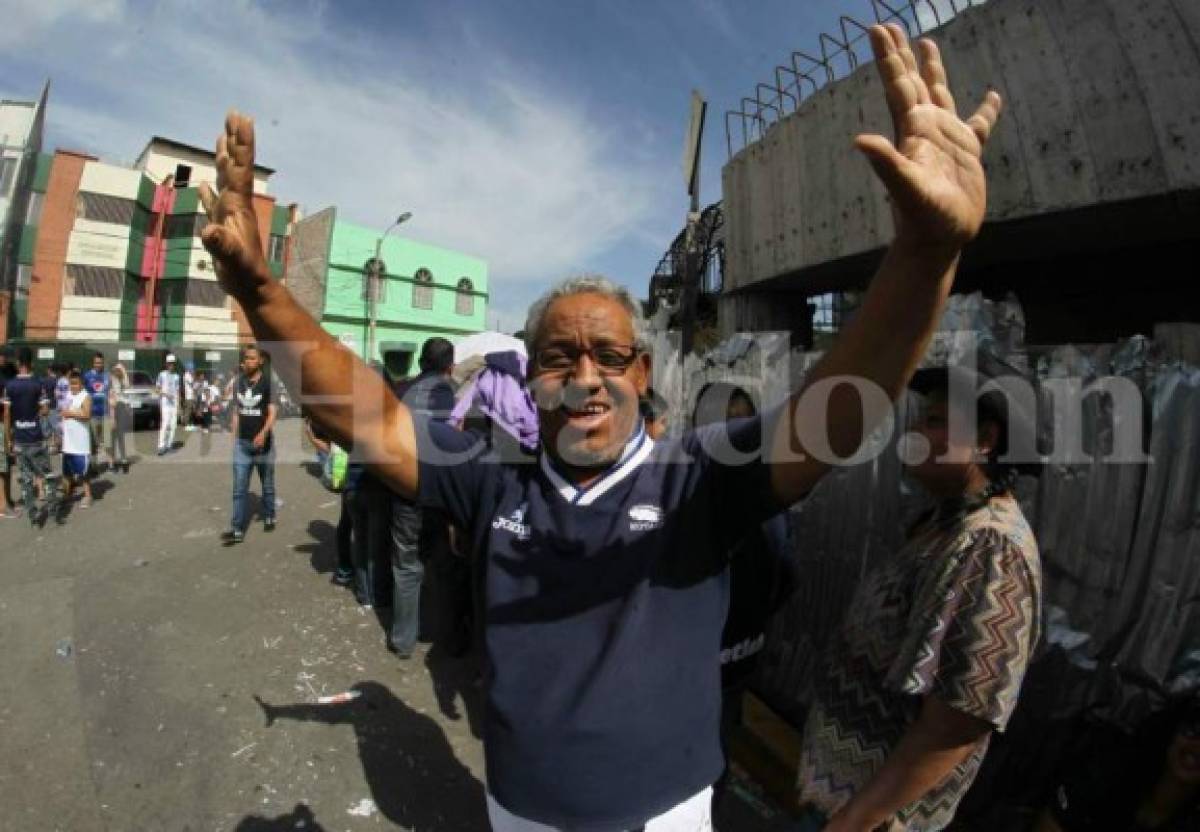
{"type": "Point", "coordinates": [836, 56]}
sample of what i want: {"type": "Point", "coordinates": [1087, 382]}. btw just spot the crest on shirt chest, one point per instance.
{"type": "Point", "coordinates": [645, 517]}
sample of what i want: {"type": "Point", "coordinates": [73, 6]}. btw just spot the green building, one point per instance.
{"type": "Point", "coordinates": [425, 291]}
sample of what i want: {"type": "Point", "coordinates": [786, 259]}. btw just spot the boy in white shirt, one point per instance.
{"type": "Point", "coordinates": [77, 439]}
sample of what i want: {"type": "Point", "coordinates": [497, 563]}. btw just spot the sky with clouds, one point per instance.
{"type": "Point", "coordinates": [544, 136]}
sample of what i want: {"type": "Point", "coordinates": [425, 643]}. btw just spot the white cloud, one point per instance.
{"type": "Point", "coordinates": [24, 20]}
{"type": "Point", "coordinates": [491, 163]}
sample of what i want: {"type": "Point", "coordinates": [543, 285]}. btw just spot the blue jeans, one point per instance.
{"type": "Point", "coordinates": [407, 574]}
{"type": "Point", "coordinates": [245, 458]}
{"type": "Point", "coordinates": [370, 517]}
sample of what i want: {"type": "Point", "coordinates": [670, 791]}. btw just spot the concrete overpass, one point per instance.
{"type": "Point", "coordinates": [1094, 171]}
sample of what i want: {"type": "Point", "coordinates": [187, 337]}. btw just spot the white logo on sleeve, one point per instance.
{"type": "Point", "coordinates": [514, 523]}
{"type": "Point", "coordinates": [644, 517]}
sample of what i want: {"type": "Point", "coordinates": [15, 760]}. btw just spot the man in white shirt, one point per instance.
{"type": "Point", "coordinates": [167, 385]}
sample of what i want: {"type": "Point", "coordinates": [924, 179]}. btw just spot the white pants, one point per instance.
{"type": "Point", "coordinates": [168, 411]}
{"type": "Point", "coordinates": [692, 815]}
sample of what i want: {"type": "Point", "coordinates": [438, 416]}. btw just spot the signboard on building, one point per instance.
{"type": "Point", "coordinates": [126, 355]}
{"type": "Point", "coordinates": [45, 352]}
{"type": "Point", "coordinates": [87, 249]}
{"type": "Point", "coordinates": [212, 355]}
{"type": "Point", "coordinates": [691, 143]}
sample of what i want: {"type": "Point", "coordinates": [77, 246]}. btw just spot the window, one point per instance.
{"type": "Point", "coordinates": [381, 289]}
{"type": "Point", "coordinates": [464, 299]}
{"type": "Point", "coordinates": [422, 297]}
{"type": "Point", "coordinates": [8, 170]}
{"type": "Point", "coordinates": [275, 248]}
{"type": "Point", "coordinates": [183, 175]}
{"type": "Point", "coordinates": [34, 212]}
{"type": "Point", "coordinates": [204, 293]}
{"type": "Point", "coordinates": [103, 208]}
{"type": "Point", "coordinates": [94, 281]}
{"type": "Point", "coordinates": [184, 225]}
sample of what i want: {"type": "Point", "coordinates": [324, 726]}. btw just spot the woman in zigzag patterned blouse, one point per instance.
{"type": "Point", "coordinates": [933, 649]}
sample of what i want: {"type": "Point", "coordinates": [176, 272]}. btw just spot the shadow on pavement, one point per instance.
{"type": "Point", "coordinates": [300, 818]}
{"type": "Point", "coordinates": [100, 488]}
{"type": "Point", "coordinates": [410, 768]}
{"type": "Point", "coordinates": [454, 678]}
{"type": "Point", "coordinates": [322, 549]}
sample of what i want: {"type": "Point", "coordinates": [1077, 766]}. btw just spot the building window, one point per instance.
{"type": "Point", "coordinates": [422, 297]}
{"type": "Point", "coordinates": [104, 208]}
{"type": "Point", "coordinates": [204, 293]}
{"type": "Point", "coordinates": [34, 212]}
{"type": "Point", "coordinates": [380, 289]}
{"type": "Point", "coordinates": [183, 176]}
{"type": "Point", "coordinates": [184, 225]}
{"type": "Point", "coordinates": [276, 247]}
{"type": "Point", "coordinates": [94, 281]}
{"type": "Point", "coordinates": [8, 170]}
{"type": "Point", "coordinates": [464, 299]}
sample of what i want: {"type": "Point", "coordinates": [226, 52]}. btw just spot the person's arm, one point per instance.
{"type": "Point", "coordinates": [936, 183]}
{"type": "Point", "coordinates": [350, 401]}
{"type": "Point", "coordinates": [940, 739]}
{"type": "Point", "coordinates": [320, 444]}
{"type": "Point", "coordinates": [261, 439]}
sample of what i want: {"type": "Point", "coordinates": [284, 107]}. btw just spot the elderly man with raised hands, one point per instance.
{"type": "Point", "coordinates": [604, 566]}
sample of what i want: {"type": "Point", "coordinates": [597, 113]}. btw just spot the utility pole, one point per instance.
{"type": "Point", "coordinates": [693, 258]}
{"type": "Point", "coordinates": [375, 270]}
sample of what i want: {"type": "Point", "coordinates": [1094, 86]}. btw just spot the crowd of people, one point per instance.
{"type": "Point", "coordinates": [616, 562]}
{"type": "Point", "coordinates": [63, 426]}
{"type": "Point", "coordinates": [605, 565]}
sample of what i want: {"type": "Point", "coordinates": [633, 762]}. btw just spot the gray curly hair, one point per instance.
{"type": "Point", "coordinates": [585, 284]}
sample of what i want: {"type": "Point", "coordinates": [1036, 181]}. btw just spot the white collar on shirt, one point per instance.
{"type": "Point", "coordinates": [637, 449]}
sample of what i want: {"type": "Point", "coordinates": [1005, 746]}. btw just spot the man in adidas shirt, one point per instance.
{"type": "Point", "coordinates": [604, 563]}
{"type": "Point", "coordinates": [253, 445]}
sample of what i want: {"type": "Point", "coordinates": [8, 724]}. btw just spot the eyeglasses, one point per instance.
{"type": "Point", "coordinates": [611, 359]}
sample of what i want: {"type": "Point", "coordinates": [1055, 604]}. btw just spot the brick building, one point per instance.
{"type": "Point", "coordinates": [110, 259]}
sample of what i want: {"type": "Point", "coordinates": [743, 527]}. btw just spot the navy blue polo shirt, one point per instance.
{"type": "Point", "coordinates": [25, 396]}
{"type": "Point", "coordinates": [604, 611]}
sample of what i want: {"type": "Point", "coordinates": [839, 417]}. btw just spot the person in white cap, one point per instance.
{"type": "Point", "coordinates": [167, 386]}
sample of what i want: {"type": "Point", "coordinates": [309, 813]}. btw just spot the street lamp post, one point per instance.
{"type": "Point", "coordinates": [374, 275]}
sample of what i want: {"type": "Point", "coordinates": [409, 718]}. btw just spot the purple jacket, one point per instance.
{"type": "Point", "coordinates": [500, 394]}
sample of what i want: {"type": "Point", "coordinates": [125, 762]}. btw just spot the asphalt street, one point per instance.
{"type": "Point", "coordinates": [155, 679]}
